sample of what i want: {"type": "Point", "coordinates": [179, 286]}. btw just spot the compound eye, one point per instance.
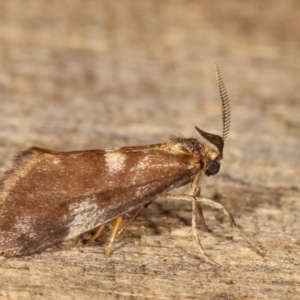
{"type": "Point", "coordinates": [213, 168]}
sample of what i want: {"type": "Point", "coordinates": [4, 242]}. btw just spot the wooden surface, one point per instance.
{"type": "Point", "coordinates": [94, 74]}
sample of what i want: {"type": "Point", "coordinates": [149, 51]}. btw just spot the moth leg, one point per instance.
{"type": "Point", "coordinates": [217, 205]}
{"type": "Point", "coordinates": [131, 220]}
{"type": "Point", "coordinates": [193, 231]}
{"type": "Point", "coordinates": [196, 192]}
{"type": "Point", "coordinates": [194, 218]}
{"type": "Point", "coordinates": [96, 234]}
{"type": "Point", "coordinates": [203, 254]}
{"type": "Point", "coordinates": [113, 236]}
{"type": "Point", "coordinates": [201, 218]}
{"type": "Point", "coordinates": [196, 207]}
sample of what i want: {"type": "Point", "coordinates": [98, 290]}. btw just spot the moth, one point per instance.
{"type": "Point", "coordinates": [49, 196]}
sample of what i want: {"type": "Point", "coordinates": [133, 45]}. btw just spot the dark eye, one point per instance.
{"type": "Point", "coordinates": [213, 168]}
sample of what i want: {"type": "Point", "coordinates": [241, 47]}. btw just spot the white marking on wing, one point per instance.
{"type": "Point", "coordinates": [24, 225]}
{"type": "Point", "coordinates": [56, 160]}
{"type": "Point", "coordinates": [86, 217]}
{"type": "Point", "coordinates": [115, 162]}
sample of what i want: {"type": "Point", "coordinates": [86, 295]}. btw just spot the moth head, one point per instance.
{"type": "Point", "coordinates": [216, 140]}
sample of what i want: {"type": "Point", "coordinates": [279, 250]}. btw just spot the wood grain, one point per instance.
{"type": "Point", "coordinates": [94, 74]}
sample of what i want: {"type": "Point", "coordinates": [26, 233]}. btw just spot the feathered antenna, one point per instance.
{"type": "Point", "coordinates": [225, 104]}
{"type": "Point", "coordinates": [217, 140]}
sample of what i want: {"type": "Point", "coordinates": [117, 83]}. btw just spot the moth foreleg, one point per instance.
{"type": "Point", "coordinates": [203, 254]}
{"type": "Point", "coordinates": [201, 218]}
{"type": "Point", "coordinates": [196, 192]}
{"type": "Point", "coordinates": [217, 205]}
{"type": "Point", "coordinates": [197, 213]}
{"type": "Point", "coordinates": [193, 231]}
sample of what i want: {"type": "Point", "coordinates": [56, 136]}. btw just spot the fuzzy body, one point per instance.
{"type": "Point", "coordinates": [50, 196]}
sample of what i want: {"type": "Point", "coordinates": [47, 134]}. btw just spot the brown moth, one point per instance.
{"type": "Point", "coordinates": [50, 196]}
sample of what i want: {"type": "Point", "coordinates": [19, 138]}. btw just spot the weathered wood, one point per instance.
{"type": "Point", "coordinates": [84, 75]}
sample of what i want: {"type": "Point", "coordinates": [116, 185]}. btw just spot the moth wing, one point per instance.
{"type": "Point", "coordinates": [52, 196]}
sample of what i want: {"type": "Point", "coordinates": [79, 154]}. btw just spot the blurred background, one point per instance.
{"type": "Point", "coordinates": [89, 74]}
{"type": "Point", "coordinates": [93, 74]}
